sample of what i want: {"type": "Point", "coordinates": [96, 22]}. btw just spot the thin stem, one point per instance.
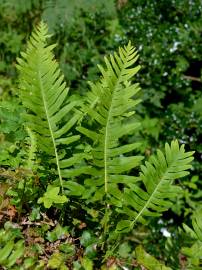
{"type": "Point", "coordinates": [51, 131]}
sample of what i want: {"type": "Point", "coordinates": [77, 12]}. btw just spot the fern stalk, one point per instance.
{"type": "Point", "coordinates": [51, 131]}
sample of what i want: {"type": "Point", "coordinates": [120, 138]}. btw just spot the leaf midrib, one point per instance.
{"type": "Point", "coordinates": [107, 126]}
{"type": "Point", "coordinates": [153, 193]}
{"type": "Point", "coordinates": [50, 128]}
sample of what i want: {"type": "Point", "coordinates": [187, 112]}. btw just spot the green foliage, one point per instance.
{"type": "Point", "coordinates": [171, 72]}
{"type": "Point", "coordinates": [11, 133]}
{"type": "Point", "coordinates": [16, 19]}
{"type": "Point", "coordinates": [157, 175]}
{"type": "Point", "coordinates": [197, 224]}
{"type": "Point", "coordinates": [10, 121]}
{"type": "Point", "coordinates": [40, 79]}
{"type": "Point", "coordinates": [11, 247]}
{"type": "Point", "coordinates": [148, 261]}
{"type": "Point", "coordinates": [84, 34]}
{"type": "Point", "coordinates": [66, 12]}
{"type": "Point", "coordinates": [110, 105]}
{"type": "Point", "coordinates": [57, 261]}
{"type": "Point", "coordinates": [20, 6]}
{"type": "Point", "coordinates": [102, 185]}
{"type": "Point", "coordinates": [107, 116]}
{"type": "Point", "coordinates": [18, 253]}
{"type": "Point", "coordinates": [51, 196]}
{"type": "Point", "coordinates": [57, 233]}
{"type": "Point", "coordinates": [164, 34]}
{"type": "Point", "coordinates": [11, 252]}
{"type": "Point", "coordinates": [194, 252]}
{"type": "Point", "coordinates": [89, 241]}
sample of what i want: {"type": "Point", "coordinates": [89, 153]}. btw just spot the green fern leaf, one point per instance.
{"type": "Point", "coordinates": [197, 223]}
{"type": "Point", "coordinates": [110, 104]}
{"type": "Point", "coordinates": [196, 232]}
{"type": "Point", "coordinates": [44, 94]}
{"type": "Point", "coordinates": [194, 253]}
{"type": "Point", "coordinates": [157, 176]}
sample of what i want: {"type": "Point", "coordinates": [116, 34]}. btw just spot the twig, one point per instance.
{"type": "Point", "coordinates": [192, 78]}
{"type": "Point", "coordinates": [37, 223]}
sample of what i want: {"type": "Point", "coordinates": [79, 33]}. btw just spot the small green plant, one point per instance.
{"type": "Point", "coordinates": [82, 141]}
{"type": "Point", "coordinates": [51, 196]}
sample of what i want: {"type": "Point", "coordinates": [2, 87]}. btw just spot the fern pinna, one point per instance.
{"type": "Point", "coordinates": [43, 92]}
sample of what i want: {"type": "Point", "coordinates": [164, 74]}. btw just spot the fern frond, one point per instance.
{"type": "Point", "coordinates": [44, 94]}
{"type": "Point", "coordinates": [196, 232]}
{"type": "Point", "coordinates": [197, 223]}
{"type": "Point", "coordinates": [157, 176]}
{"type": "Point", "coordinates": [194, 253]}
{"type": "Point", "coordinates": [110, 104]}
